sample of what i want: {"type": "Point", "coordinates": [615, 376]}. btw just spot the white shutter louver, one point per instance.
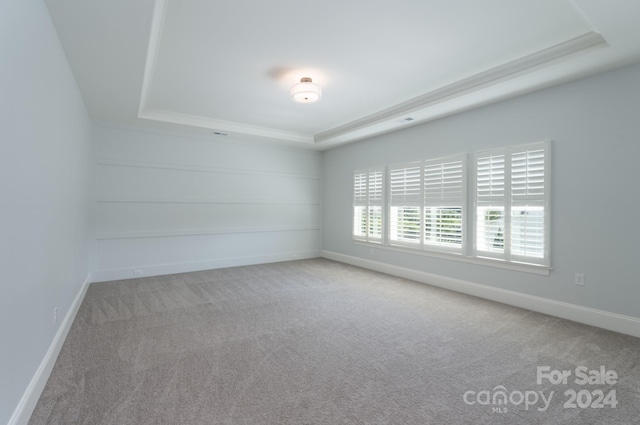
{"type": "Point", "coordinates": [360, 188]}
{"type": "Point", "coordinates": [443, 181]}
{"type": "Point", "coordinates": [490, 179]}
{"type": "Point", "coordinates": [405, 185]}
{"type": "Point", "coordinates": [375, 189]}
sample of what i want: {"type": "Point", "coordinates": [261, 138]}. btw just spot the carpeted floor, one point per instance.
{"type": "Point", "coordinates": [320, 342]}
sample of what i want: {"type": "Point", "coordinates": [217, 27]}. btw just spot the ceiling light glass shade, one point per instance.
{"type": "Point", "coordinates": [306, 91]}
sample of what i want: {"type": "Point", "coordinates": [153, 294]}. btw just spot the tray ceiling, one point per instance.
{"type": "Point", "coordinates": [227, 66]}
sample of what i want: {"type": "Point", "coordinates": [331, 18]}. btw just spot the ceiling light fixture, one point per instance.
{"type": "Point", "coordinates": [306, 91]}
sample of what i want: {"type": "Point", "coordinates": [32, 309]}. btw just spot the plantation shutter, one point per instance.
{"type": "Point", "coordinates": [529, 206]}
{"type": "Point", "coordinates": [511, 195]}
{"type": "Point", "coordinates": [368, 204]}
{"type": "Point", "coordinates": [375, 191]}
{"type": "Point", "coordinates": [444, 181]}
{"type": "Point", "coordinates": [405, 188]}
{"type": "Point", "coordinates": [490, 179]}
{"type": "Point", "coordinates": [405, 185]}
{"type": "Point", "coordinates": [360, 205]}
{"type": "Point", "coordinates": [444, 203]}
{"type": "Point", "coordinates": [360, 188]}
{"type": "Point", "coordinates": [491, 169]}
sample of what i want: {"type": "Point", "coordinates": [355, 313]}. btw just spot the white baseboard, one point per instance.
{"type": "Point", "coordinates": [172, 268]}
{"type": "Point", "coordinates": [589, 316]}
{"type": "Point", "coordinates": [29, 399]}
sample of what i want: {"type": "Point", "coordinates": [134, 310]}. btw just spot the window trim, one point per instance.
{"type": "Point", "coordinates": [481, 261]}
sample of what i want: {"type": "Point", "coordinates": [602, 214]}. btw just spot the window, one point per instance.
{"type": "Point", "coordinates": [368, 205]}
{"type": "Point", "coordinates": [512, 204]}
{"type": "Point", "coordinates": [422, 206]}
{"type": "Point", "coordinates": [427, 204]}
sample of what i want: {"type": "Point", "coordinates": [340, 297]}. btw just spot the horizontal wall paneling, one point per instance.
{"type": "Point", "coordinates": [167, 202]}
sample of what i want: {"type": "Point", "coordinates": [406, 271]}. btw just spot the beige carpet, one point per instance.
{"type": "Point", "coordinates": [319, 342]}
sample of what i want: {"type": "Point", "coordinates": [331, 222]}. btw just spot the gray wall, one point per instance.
{"type": "Point", "coordinates": [45, 182]}
{"type": "Point", "coordinates": [595, 127]}
{"type": "Point", "coordinates": [169, 203]}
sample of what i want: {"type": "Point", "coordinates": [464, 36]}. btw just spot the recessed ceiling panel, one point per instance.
{"type": "Point", "coordinates": [235, 61]}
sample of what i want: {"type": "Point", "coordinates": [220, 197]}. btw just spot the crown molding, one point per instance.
{"type": "Point", "coordinates": [226, 126]}
{"type": "Point", "coordinates": [157, 24]}
{"type": "Point", "coordinates": [510, 70]}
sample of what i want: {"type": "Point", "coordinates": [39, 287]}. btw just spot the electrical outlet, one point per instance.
{"type": "Point", "coordinates": [578, 279]}
{"type": "Point", "coordinates": [137, 272]}
{"type": "Point", "coordinates": [55, 315]}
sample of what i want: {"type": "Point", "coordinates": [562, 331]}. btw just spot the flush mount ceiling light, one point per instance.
{"type": "Point", "coordinates": [306, 91]}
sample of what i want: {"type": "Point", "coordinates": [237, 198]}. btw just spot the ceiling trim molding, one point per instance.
{"type": "Point", "coordinates": [226, 126]}
{"type": "Point", "coordinates": [493, 76]}
{"type": "Point", "coordinates": [157, 24]}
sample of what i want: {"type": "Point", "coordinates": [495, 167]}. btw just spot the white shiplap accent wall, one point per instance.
{"type": "Point", "coordinates": [169, 202]}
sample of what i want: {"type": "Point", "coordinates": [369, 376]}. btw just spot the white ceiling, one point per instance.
{"type": "Point", "coordinates": [228, 65]}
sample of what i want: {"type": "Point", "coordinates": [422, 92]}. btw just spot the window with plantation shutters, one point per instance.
{"type": "Point", "coordinates": [512, 207]}
{"type": "Point", "coordinates": [427, 204]}
{"type": "Point", "coordinates": [444, 183]}
{"type": "Point", "coordinates": [368, 205]}
{"type": "Point", "coordinates": [422, 207]}
{"type": "Point", "coordinates": [405, 211]}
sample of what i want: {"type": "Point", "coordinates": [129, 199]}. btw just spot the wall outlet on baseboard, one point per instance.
{"type": "Point", "coordinates": [578, 279]}
{"type": "Point", "coordinates": [138, 272]}
{"type": "Point", "coordinates": [55, 315]}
